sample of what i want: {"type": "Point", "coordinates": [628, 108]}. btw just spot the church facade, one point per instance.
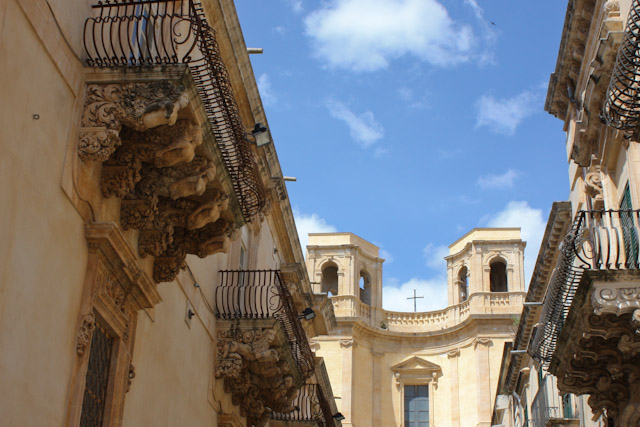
{"type": "Point", "coordinates": [436, 368]}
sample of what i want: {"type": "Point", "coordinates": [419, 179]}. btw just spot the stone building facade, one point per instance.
{"type": "Point", "coordinates": [440, 367]}
{"type": "Point", "coordinates": [151, 272]}
{"type": "Point", "coordinates": [581, 322]}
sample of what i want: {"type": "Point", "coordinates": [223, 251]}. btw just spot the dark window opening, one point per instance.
{"type": "Point", "coordinates": [629, 234]}
{"type": "Point", "coordinates": [329, 282]}
{"type": "Point", "coordinates": [498, 276]}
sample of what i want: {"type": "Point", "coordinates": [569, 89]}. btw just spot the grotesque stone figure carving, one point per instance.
{"type": "Point", "coordinates": [259, 380]}
{"type": "Point", "coordinates": [140, 106]}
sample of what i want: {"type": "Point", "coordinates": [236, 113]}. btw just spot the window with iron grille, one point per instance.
{"type": "Point", "coordinates": [97, 379]}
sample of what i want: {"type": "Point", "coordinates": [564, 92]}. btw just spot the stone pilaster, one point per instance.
{"type": "Point", "coordinates": [454, 356]}
{"type": "Point", "coordinates": [376, 402]}
{"type": "Point", "coordinates": [346, 409]}
{"type": "Point", "coordinates": [481, 347]}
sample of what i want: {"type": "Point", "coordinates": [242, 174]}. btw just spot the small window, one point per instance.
{"type": "Point", "coordinates": [329, 282]}
{"type": "Point", "coordinates": [416, 406]}
{"type": "Point", "coordinates": [498, 276]}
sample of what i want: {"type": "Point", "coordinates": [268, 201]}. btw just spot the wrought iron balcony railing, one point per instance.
{"type": "Point", "coordinates": [622, 103]}
{"type": "Point", "coordinates": [262, 294]}
{"type": "Point", "coordinates": [597, 240]}
{"type": "Point", "coordinates": [311, 406]}
{"type": "Point", "coordinates": [134, 33]}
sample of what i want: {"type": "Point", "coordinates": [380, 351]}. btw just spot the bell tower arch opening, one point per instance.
{"type": "Point", "coordinates": [498, 276]}
{"type": "Point", "coordinates": [463, 284]}
{"type": "Point", "coordinates": [364, 285]}
{"type": "Point", "coordinates": [329, 283]}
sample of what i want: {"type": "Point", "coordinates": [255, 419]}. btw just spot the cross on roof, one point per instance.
{"type": "Point", "coordinates": [414, 298]}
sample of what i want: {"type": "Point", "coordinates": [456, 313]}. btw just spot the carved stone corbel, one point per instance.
{"type": "Point", "coordinates": [85, 332]}
{"type": "Point", "coordinates": [139, 106]}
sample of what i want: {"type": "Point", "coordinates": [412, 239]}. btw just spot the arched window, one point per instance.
{"type": "Point", "coordinates": [463, 284]}
{"type": "Point", "coordinates": [498, 276]}
{"type": "Point", "coordinates": [329, 283]}
{"type": "Point", "coordinates": [365, 287]}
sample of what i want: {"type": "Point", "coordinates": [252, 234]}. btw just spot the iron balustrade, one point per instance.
{"type": "Point", "coordinates": [621, 109]}
{"type": "Point", "coordinates": [311, 405]}
{"type": "Point", "coordinates": [135, 33]}
{"type": "Point", "coordinates": [262, 294]}
{"type": "Point", "coordinates": [597, 240]}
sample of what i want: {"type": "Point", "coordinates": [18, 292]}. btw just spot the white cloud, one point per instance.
{"type": "Point", "coordinates": [506, 180]}
{"type": "Point", "coordinates": [280, 30]}
{"type": "Point", "coordinates": [363, 127]}
{"type": "Point", "coordinates": [532, 224]}
{"type": "Point", "coordinates": [386, 255]}
{"type": "Point", "coordinates": [268, 96]}
{"type": "Point", "coordinates": [310, 223]}
{"type": "Point", "coordinates": [296, 5]}
{"type": "Point", "coordinates": [365, 35]}
{"type": "Point", "coordinates": [433, 290]}
{"type": "Point", "coordinates": [434, 256]}
{"type": "Point", "coordinates": [504, 115]}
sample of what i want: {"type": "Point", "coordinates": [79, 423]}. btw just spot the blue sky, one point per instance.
{"type": "Point", "coordinates": [410, 122]}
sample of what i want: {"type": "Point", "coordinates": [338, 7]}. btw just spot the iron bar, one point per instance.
{"type": "Point", "coordinates": [136, 33]}
{"type": "Point", "coordinates": [621, 109]}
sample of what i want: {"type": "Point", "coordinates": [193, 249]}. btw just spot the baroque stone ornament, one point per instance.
{"type": "Point", "coordinates": [599, 354]}
{"type": "Point", "coordinates": [255, 373]}
{"type": "Point", "coordinates": [617, 298]}
{"type": "Point", "coordinates": [153, 160]}
{"type": "Point", "coordinates": [85, 332]}
{"type": "Point", "coordinates": [593, 185]}
{"type": "Point", "coordinates": [109, 107]}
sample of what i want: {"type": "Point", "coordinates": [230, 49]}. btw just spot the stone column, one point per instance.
{"type": "Point", "coordinates": [347, 346]}
{"type": "Point", "coordinates": [453, 356]}
{"type": "Point", "coordinates": [481, 347]}
{"type": "Point", "coordinates": [376, 402]}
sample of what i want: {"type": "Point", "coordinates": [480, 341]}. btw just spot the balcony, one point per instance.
{"type": "Point", "coordinates": [263, 354]}
{"type": "Point", "coordinates": [588, 332]}
{"type": "Point", "coordinates": [146, 33]}
{"type": "Point", "coordinates": [598, 241]}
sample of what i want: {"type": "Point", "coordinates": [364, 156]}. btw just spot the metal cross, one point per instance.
{"type": "Point", "coordinates": [414, 298]}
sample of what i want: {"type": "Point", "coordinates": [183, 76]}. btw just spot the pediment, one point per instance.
{"type": "Point", "coordinates": [415, 364]}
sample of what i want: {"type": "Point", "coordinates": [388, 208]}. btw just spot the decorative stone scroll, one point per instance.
{"type": "Point", "coordinates": [616, 297]}
{"type": "Point", "coordinates": [256, 373]}
{"type": "Point", "coordinates": [153, 161]}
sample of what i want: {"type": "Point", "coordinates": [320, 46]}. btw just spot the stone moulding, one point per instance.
{"type": "Point", "coordinates": [172, 188]}
{"type": "Point", "coordinates": [618, 298]}
{"type": "Point", "coordinates": [257, 368]}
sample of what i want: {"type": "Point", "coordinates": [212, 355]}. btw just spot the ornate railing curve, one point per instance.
{"type": "Point", "coordinates": [310, 405]}
{"type": "Point", "coordinates": [597, 240]}
{"type": "Point", "coordinates": [621, 109]}
{"type": "Point", "coordinates": [132, 33]}
{"type": "Point", "coordinates": [262, 294]}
